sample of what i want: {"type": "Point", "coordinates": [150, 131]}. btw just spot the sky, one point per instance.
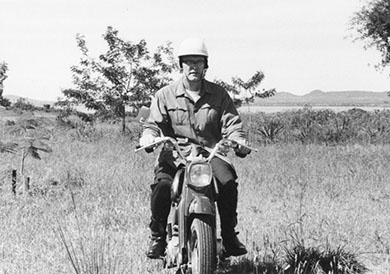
{"type": "Point", "coordinates": [299, 45]}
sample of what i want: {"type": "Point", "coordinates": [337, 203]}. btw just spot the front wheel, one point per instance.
{"type": "Point", "coordinates": [202, 248]}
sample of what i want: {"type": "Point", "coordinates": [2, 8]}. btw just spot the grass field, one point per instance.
{"type": "Point", "coordinates": [89, 201]}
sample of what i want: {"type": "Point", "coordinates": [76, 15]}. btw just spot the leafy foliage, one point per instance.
{"type": "Point", "coordinates": [126, 75]}
{"type": "Point", "coordinates": [372, 24]}
{"type": "Point", "coordinates": [244, 92]}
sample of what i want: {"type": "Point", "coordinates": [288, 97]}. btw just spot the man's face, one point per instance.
{"type": "Point", "coordinates": [193, 67]}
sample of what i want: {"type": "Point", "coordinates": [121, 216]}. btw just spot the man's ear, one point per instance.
{"type": "Point", "coordinates": [204, 73]}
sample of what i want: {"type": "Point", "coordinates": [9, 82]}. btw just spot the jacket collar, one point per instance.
{"type": "Point", "coordinates": [204, 88]}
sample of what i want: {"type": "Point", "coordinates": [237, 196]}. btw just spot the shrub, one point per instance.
{"type": "Point", "coordinates": [4, 102]}
{"type": "Point", "coordinates": [22, 104]}
{"type": "Point", "coordinates": [327, 127]}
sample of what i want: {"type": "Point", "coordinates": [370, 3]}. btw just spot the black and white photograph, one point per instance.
{"type": "Point", "coordinates": [194, 137]}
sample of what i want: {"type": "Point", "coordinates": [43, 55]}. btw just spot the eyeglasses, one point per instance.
{"type": "Point", "coordinates": [191, 62]}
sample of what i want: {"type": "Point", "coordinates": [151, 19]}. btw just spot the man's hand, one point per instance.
{"type": "Point", "coordinates": [146, 140]}
{"type": "Point", "coordinates": [242, 150]}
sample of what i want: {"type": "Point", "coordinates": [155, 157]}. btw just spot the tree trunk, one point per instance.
{"type": "Point", "coordinates": [124, 122]}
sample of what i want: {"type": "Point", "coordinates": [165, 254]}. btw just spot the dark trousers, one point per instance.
{"type": "Point", "coordinates": [227, 199]}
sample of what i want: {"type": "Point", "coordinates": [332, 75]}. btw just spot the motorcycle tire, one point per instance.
{"type": "Point", "coordinates": [202, 247]}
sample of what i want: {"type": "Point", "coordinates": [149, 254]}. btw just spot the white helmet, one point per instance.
{"type": "Point", "coordinates": [193, 46]}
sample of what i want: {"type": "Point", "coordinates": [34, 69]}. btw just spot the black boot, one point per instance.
{"type": "Point", "coordinates": [233, 246]}
{"type": "Point", "coordinates": [157, 247]}
{"type": "Point", "coordinates": [227, 206]}
{"type": "Point", "coordinates": [158, 241]}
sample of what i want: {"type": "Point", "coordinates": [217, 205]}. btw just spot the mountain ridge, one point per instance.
{"type": "Point", "coordinates": [315, 97]}
{"type": "Point", "coordinates": [35, 102]}
{"type": "Point", "coordinates": [319, 97]}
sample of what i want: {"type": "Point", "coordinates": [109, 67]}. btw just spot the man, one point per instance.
{"type": "Point", "coordinates": [203, 112]}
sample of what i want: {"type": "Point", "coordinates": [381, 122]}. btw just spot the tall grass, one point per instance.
{"type": "Point", "coordinates": [89, 207]}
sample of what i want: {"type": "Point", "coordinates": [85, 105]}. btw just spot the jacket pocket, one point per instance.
{"type": "Point", "coordinates": [178, 115]}
{"type": "Point", "coordinates": [209, 114]}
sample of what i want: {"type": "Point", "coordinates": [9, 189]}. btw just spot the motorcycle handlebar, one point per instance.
{"type": "Point", "coordinates": [157, 142]}
{"type": "Point", "coordinates": [213, 152]}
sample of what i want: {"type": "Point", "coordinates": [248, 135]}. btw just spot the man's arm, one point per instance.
{"type": "Point", "coordinates": [231, 121]}
{"type": "Point", "coordinates": [232, 127]}
{"type": "Point", "coordinates": [157, 121]}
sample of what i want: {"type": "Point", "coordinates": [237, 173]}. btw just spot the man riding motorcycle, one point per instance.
{"type": "Point", "coordinates": [203, 112]}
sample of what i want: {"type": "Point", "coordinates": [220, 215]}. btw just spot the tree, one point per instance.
{"type": "Point", "coordinates": [372, 24]}
{"type": "Point", "coordinates": [3, 76]}
{"type": "Point", "coordinates": [125, 75]}
{"type": "Point", "coordinates": [244, 92]}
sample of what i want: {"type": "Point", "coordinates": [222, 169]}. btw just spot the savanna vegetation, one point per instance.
{"type": "Point", "coordinates": [323, 127]}
{"type": "Point", "coordinates": [314, 199]}
{"type": "Point", "coordinates": [305, 207]}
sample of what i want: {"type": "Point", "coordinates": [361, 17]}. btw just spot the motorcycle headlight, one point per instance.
{"type": "Point", "coordinates": [200, 174]}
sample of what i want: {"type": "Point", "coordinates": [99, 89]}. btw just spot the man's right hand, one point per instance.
{"type": "Point", "coordinates": [242, 149]}
{"type": "Point", "coordinates": [146, 140]}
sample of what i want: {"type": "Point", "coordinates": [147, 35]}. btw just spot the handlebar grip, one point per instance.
{"type": "Point", "coordinates": [241, 155]}
{"type": "Point", "coordinates": [149, 149]}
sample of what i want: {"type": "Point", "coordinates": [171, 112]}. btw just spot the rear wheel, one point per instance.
{"type": "Point", "coordinates": [202, 250]}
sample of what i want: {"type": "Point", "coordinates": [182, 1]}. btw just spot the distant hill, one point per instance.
{"type": "Point", "coordinates": [38, 103]}
{"type": "Point", "coordinates": [315, 98]}
{"type": "Point", "coordinates": [329, 98]}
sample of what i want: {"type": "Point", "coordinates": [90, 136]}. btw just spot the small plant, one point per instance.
{"type": "Point", "coordinates": [247, 265]}
{"type": "Point", "coordinates": [310, 260]}
{"type": "Point", "coordinates": [90, 256]}
{"type": "Point", "coordinates": [27, 144]}
{"type": "Point", "coordinates": [270, 131]}
{"type": "Point", "coordinates": [341, 261]}
{"type": "Point", "coordinates": [8, 147]}
{"type": "Point", "coordinates": [302, 260]}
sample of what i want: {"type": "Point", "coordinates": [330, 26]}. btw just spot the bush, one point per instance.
{"type": "Point", "coordinates": [327, 127]}
{"type": "Point", "coordinates": [22, 104]}
{"type": "Point", "coordinates": [4, 102]}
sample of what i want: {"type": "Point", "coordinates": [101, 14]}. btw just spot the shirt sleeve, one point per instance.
{"type": "Point", "coordinates": [231, 121]}
{"type": "Point", "coordinates": [157, 117]}
{"type": "Point", "coordinates": [159, 122]}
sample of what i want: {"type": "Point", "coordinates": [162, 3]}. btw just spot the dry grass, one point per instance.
{"type": "Point", "coordinates": [89, 203]}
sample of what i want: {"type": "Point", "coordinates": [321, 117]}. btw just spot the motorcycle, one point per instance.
{"type": "Point", "coordinates": [192, 243]}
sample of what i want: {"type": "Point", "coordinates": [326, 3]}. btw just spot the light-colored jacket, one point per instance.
{"type": "Point", "coordinates": [207, 121]}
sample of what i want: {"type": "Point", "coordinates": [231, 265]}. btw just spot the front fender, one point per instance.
{"type": "Point", "coordinates": [201, 205]}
